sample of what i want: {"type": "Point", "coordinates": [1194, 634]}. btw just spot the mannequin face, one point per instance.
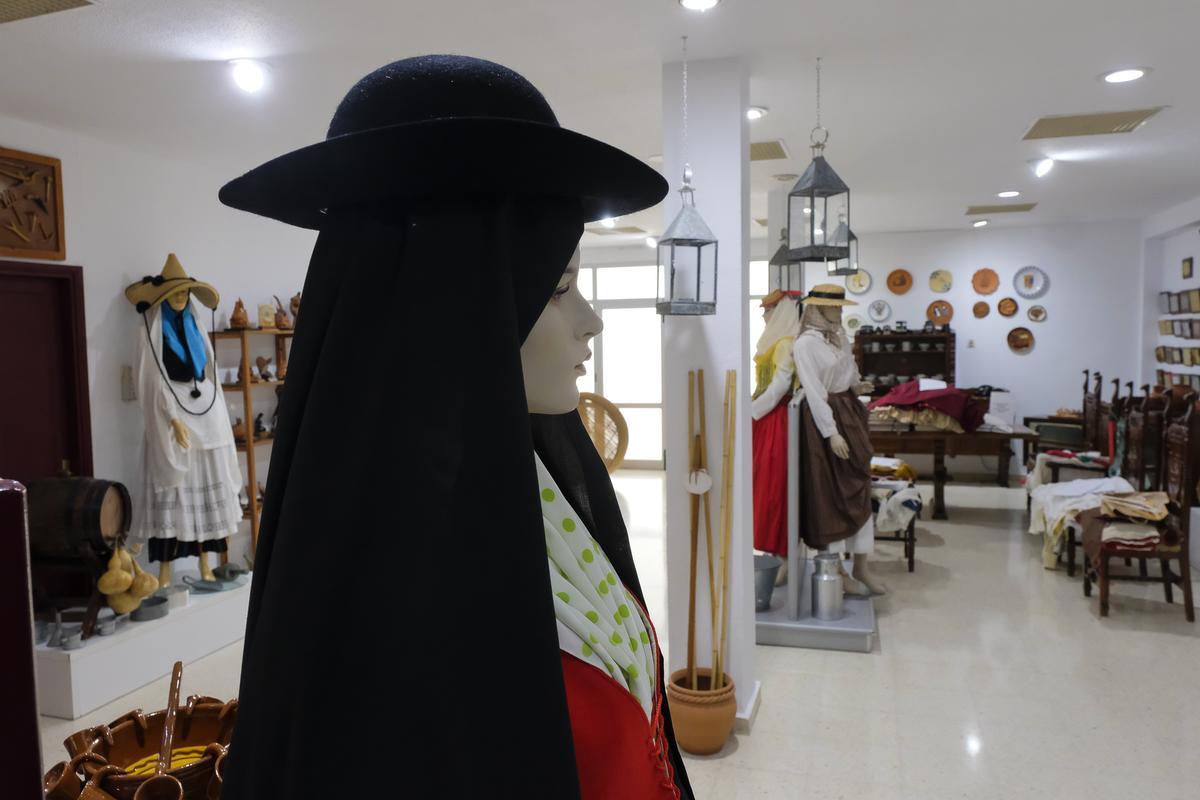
{"type": "Point", "coordinates": [831, 313]}
{"type": "Point", "coordinates": [767, 313]}
{"type": "Point", "coordinates": [554, 353]}
{"type": "Point", "coordinates": [178, 300]}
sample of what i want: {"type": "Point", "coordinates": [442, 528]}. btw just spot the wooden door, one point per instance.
{"type": "Point", "coordinates": [45, 418]}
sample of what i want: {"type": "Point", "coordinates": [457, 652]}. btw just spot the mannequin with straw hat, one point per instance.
{"type": "Point", "coordinates": [189, 502]}
{"type": "Point", "coordinates": [835, 445]}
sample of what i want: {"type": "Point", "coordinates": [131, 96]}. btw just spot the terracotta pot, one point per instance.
{"type": "Point", "coordinates": [703, 718]}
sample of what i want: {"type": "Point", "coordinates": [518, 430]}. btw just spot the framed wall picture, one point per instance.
{"type": "Point", "coordinates": [1187, 268]}
{"type": "Point", "coordinates": [31, 209]}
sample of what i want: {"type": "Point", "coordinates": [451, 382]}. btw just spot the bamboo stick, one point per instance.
{"type": "Point", "coordinates": [712, 586]}
{"type": "Point", "coordinates": [693, 524]}
{"type": "Point", "coordinates": [721, 514]}
{"type": "Point", "coordinates": [727, 533]}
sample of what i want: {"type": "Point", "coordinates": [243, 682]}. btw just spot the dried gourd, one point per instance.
{"type": "Point", "coordinates": [115, 580]}
{"type": "Point", "coordinates": [123, 602]}
{"type": "Point", "coordinates": [143, 584]}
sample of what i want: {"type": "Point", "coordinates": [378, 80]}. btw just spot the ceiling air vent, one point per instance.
{"type": "Point", "coordinates": [622, 229]}
{"type": "Point", "coordinates": [1007, 208]}
{"type": "Point", "coordinates": [13, 10]}
{"type": "Point", "coordinates": [1090, 124]}
{"type": "Point", "coordinates": [768, 151]}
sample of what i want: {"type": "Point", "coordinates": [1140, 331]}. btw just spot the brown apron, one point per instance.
{"type": "Point", "coordinates": [835, 493]}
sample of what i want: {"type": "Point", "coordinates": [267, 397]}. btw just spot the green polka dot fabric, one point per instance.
{"type": "Point", "coordinates": [599, 622]}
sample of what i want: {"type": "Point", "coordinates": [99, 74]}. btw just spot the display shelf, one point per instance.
{"type": "Point", "coordinates": [70, 683]}
{"type": "Point", "coordinates": [242, 337]}
{"type": "Point", "coordinates": [905, 362]}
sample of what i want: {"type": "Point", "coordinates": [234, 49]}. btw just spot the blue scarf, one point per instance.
{"type": "Point", "coordinates": [195, 339]}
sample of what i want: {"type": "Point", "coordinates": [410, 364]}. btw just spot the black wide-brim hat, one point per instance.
{"type": "Point", "coordinates": [442, 125]}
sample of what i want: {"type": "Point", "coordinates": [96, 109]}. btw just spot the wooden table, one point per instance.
{"type": "Point", "coordinates": [939, 444]}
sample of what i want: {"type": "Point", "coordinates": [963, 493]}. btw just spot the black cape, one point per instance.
{"type": "Point", "coordinates": [401, 638]}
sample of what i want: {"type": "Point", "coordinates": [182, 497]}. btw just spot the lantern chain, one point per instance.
{"type": "Point", "coordinates": [812, 137]}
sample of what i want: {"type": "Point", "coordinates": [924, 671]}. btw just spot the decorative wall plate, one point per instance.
{"type": "Point", "coordinates": [1007, 307]}
{"type": "Point", "coordinates": [853, 322]}
{"type": "Point", "coordinates": [941, 280]}
{"type": "Point", "coordinates": [1020, 340]}
{"type": "Point", "coordinates": [859, 282]}
{"type": "Point", "coordinates": [985, 281]}
{"type": "Point", "coordinates": [899, 281]}
{"type": "Point", "coordinates": [879, 310]}
{"type": "Point", "coordinates": [1037, 313]}
{"type": "Point", "coordinates": [939, 312]}
{"type": "Point", "coordinates": [1030, 282]}
{"type": "Point", "coordinates": [981, 309]}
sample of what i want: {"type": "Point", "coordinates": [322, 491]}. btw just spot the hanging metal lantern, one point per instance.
{"type": "Point", "coordinates": [818, 202]}
{"type": "Point", "coordinates": [785, 273]}
{"type": "Point", "coordinates": [687, 260]}
{"type": "Point", "coordinates": [687, 250]}
{"type": "Point", "coordinates": [849, 264]}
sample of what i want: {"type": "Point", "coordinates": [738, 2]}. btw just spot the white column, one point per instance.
{"type": "Point", "coordinates": [719, 153]}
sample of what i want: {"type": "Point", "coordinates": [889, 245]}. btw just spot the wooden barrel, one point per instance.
{"type": "Point", "coordinates": [76, 518]}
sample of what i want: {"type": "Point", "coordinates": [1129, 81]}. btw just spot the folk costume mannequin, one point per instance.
{"type": "Point", "coordinates": [775, 381]}
{"type": "Point", "coordinates": [500, 675]}
{"type": "Point", "coordinates": [835, 445]}
{"type": "Point", "coordinates": [189, 500]}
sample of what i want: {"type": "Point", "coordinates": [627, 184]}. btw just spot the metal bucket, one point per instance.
{"type": "Point", "coordinates": [827, 587]}
{"type": "Point", "coordinates": [766, 568]}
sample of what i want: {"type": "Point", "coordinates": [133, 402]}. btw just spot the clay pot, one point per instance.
{"type": "Point", "coordinates": [703, 718]}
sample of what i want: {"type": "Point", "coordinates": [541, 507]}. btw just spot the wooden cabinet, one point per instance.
{"type": "Point", "coordinates": [904, 355]}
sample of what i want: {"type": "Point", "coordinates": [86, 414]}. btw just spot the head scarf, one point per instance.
{"type": "Point", "coordinates": [784, 321]}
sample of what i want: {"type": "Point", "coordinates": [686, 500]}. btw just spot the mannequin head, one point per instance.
{"type": "Point", "coordinates": [178, 300]}
{"type": "Point", "coordinates": [553, 355]}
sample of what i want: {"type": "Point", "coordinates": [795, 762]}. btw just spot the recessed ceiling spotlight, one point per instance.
{"type": "Point", "coordinates": [651, 241]}
{"type": "Point", "coordinates": [249, 75]}
{"type": "Point", "coordinates": [1125, 75]}
{"type": "Point", "coordinates": [608, 222]}
{"type": "Point", "coordinates": [698, 5]}
{"type": "Point", "coordinates": [757, 112]}
{"type": "Point", "coordinates": [979, 223]}
{"type": "Point", "coordinates": [786, 177]}
{"type": "Point", "coordinates": [1008, 194]}
{"type": "Point", "coordinates": [1042, 166]}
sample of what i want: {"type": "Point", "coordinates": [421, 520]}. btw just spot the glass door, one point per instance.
{"type": "Point", "coordinates": [626, 366]}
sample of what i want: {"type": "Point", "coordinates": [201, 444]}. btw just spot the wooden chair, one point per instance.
{"type": "Point", "coordinates": [1177, 482]}
{"type": "Point", "coordinates": [607, 428]}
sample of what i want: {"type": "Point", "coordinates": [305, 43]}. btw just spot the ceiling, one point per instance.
{"type": "Point", "coordinates": [926, 101]}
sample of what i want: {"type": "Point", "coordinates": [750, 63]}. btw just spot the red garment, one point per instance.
{"type": "Point", "coordinates": [953, 402]}
{"type": "Point", "coordinates": [619, 754]}
{"type": "Point", "coordinates": [769, 436]}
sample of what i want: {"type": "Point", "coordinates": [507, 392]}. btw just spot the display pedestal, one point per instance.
{"type": "Point", "coordinates": [70, 683]}
{"type": "Point", "coordinates": [789, 621]}
{"type": "Point", "coordinates": [854, 632]}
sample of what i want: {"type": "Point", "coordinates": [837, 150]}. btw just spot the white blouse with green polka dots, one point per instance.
{"type": "Point", "coordinates": [599, 621]}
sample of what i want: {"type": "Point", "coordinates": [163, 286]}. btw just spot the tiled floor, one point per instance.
{"type": "Point", "coordinates": [993, 678]}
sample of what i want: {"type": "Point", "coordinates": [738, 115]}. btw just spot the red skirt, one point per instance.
{"type": "Point", "coordinates": [770, 481]}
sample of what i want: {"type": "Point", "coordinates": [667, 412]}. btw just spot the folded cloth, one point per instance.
{"type": "Point", "coordinates": [923, 418]}
{"type": "Point", "coordinates": [1130, 534]}
{"type": "Point", "coordinates": [1150, 506]}
{"type": "Point", "coordinates": [892, 468]}
{"type": "Point", "coordinates": [897, 510]}
{"type": "Point", "coordinates": [1053, 505]}
{"type": "Point", "coordinates": [954, 402]}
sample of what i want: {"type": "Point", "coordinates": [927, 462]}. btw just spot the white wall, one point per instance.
{"type": "Point", "coordinates": [124, 211]}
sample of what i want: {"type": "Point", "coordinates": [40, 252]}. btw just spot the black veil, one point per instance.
{"type": "Point", "coordinates": [401, 631]}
